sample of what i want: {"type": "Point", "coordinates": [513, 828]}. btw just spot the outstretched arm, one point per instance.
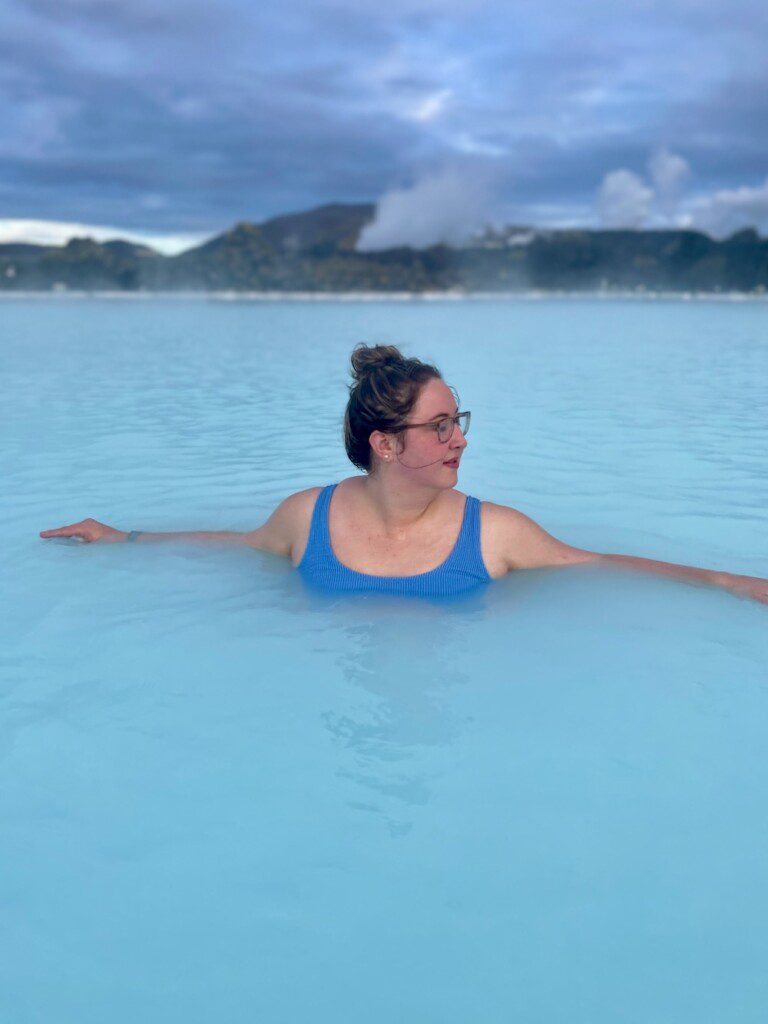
{"type": "Point", "coordinates": [277, 535]}
{"type": "Point", "coordinates": [525, 545]}
{"type": "Point", "coordinates": [754, 587]}
{"type": "Point", "coordinates": [92, 531]}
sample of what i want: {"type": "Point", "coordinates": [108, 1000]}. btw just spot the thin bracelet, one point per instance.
{"type": "Point", "coordinates": [133, 535]}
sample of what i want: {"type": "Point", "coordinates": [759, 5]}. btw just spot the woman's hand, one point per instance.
{"type": "Point", "coordinates": [753, 587]}
{"type": "Point", "coordinates": [88, 530]}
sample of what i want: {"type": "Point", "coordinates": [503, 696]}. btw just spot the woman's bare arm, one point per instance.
{"type": "Point", "coordinates": [92, 531]}
{"type": "Point", "coordinates": [277, 535]}
{"type": "Point", "coordinates": [525, 545]}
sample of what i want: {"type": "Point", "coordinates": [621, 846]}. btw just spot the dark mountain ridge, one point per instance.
{"type": "Point", "coordinates": [314, 251]}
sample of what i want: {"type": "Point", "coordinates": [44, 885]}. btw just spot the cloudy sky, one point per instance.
{"type": "Point", "coordinates": [172, 119]}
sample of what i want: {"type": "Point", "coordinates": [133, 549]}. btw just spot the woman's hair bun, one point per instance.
{"type": "Point", "coordinates": [367, 358]}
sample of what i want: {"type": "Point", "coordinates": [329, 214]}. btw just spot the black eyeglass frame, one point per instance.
{"type": "Point", "coordinates": [441, 419]}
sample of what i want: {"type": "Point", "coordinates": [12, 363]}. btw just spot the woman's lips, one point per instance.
{"type": "Point", "coordinates": [453, 463]}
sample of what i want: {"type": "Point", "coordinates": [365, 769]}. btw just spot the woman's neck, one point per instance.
{"type": "Point", "coordinates": [399, 505]}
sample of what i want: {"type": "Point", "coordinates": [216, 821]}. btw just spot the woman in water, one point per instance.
{"type": "Point", "coordinates": [402, 527]}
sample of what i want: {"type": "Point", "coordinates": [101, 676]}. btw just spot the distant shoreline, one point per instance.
{"type": "Point", "coordinates": [434, 296]}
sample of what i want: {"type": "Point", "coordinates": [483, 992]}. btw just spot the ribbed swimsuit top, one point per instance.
{"type": "Point", "coordinates": [462, 571]}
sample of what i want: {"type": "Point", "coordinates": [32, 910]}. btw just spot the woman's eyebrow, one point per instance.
{"type": "Point", "coordinates": [435, 415]}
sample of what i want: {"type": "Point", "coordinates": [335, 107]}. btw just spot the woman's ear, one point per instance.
{"type": "Point", "coordinates": [382, 445]}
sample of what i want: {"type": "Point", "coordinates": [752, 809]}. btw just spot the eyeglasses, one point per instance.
{"type": "Point", "coordinates": [445, 426]}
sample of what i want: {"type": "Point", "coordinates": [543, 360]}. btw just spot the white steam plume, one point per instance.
{"type": "Point", "coordinates": [446, 206]}
{"type": "Point", "coordinates": [624, 200]}
{"type": "Point", "coordinates": [668, 172]}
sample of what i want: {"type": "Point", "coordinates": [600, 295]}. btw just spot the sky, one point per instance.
{"type": "Point", "coordinates": [171, 120]}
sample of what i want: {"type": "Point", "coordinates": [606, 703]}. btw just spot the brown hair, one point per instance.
{"type": "Point", "coordinates": [384, 389]}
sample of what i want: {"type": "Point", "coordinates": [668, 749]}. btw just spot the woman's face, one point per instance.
{"type": "Point", "coordinates": [419, 452]}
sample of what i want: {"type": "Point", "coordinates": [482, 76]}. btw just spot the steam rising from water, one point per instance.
{"type": "Point", "coordinates": [446, 206]}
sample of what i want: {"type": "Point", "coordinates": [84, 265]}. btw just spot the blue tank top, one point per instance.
{"type": "Point", "coordinates": [462, 571]}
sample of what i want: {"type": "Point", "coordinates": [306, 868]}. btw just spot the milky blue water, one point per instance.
{"type": "Point", "coordinates": [225, 799]}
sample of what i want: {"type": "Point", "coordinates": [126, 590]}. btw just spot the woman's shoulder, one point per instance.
{"type": "Point", "coordinates": [289, 521]}
{"type": "Point", "coordinates": [296, 510]}
{"type": "Point", "coordinates": [502, 521]}
{"type": "Point", "coordinates": [298, 504]}
{"type": "Point", "coordinates": [510, 538]}
{"type": "Point", "coordinates": [494, 513]}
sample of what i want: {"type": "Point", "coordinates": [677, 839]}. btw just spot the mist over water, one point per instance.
{"type": "Point", "coordinates": [224, 796]}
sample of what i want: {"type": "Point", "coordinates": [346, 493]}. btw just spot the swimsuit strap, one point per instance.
{"type": "Point", "coordinates": [319, 540]}
{"type": "Point", "coordinates": [466, 552]}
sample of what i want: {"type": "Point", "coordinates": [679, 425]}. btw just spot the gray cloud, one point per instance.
{"type": "Point", "coordinates": [727, 210]}
{"type": "Point", "coordinates": [240, 110]}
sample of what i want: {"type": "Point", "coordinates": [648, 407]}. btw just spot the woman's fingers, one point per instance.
{"type": "Point", "coordinates": [84, 529]}
{"type": "Point", "coordinates": [62, 531]}
{"type": "Point", "coordinates": [89, 530]}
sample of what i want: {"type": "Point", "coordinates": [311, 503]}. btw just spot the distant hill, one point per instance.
{"type": "Point", "coordinates": [337, 225]}
{"type": "Point", "coordinates": [22, 250]}
{"type": "Point", "coordinates": [119, 247]}
{"type": "Point", "coordinates": [315, 251]}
